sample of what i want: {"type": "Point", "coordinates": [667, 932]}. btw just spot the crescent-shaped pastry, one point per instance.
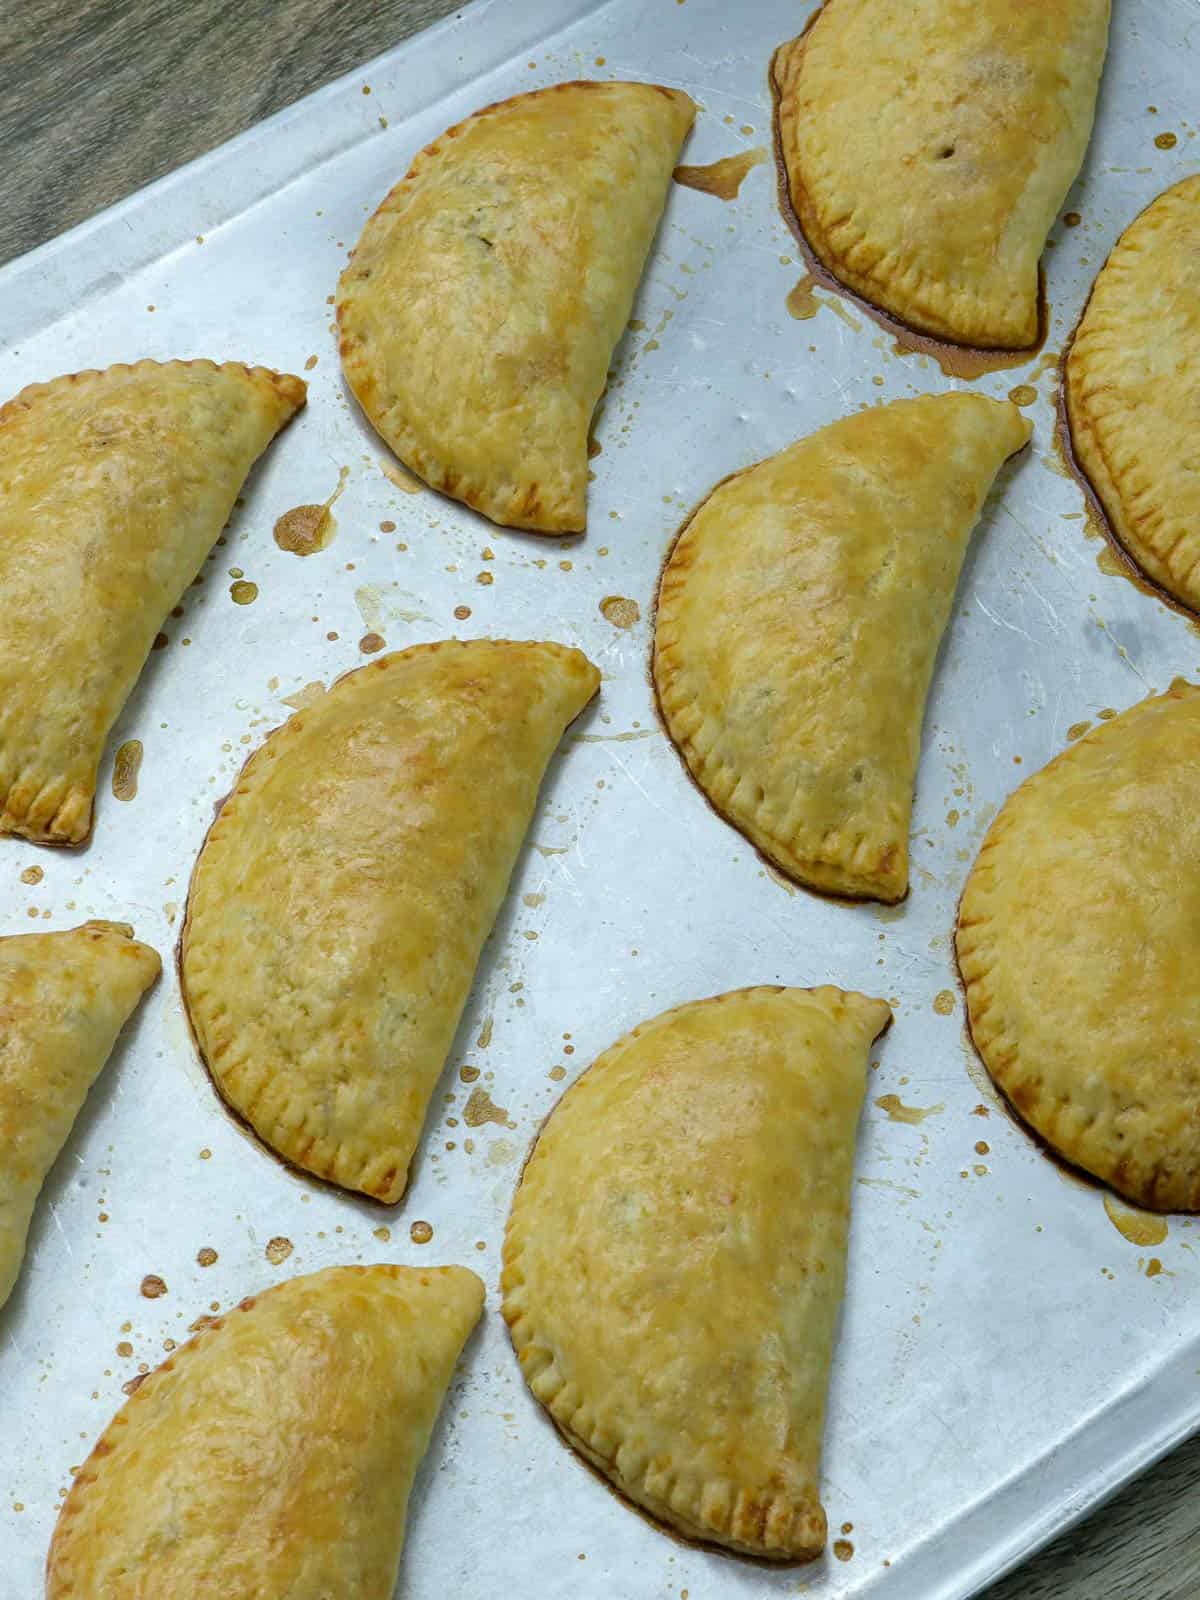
{"type": "Point", "coordinates": [64, 998]}
{"type": "Point", "coordinates": [483, 301]}
{"type": "Point", "coordinates": [928, 146]}
{"type": "Point", "coordinates": [1132, 390]}
{"type": "Point", "coordinates": [114, 486]}
{"type": "Point", "coordinates": [799, 616]}
{"type": "Point", "coordinates": [1079, 943]}
{"type": "Point", "coordinates": [342, 898]}
{"type": "Point", "coordinates": [273, 1454]}
{"type": "Point", "coordinates": [675, 1259]}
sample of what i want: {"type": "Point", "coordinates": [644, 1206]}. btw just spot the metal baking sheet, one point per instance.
{"type": "Point", "coordinates": [1005, 1358]}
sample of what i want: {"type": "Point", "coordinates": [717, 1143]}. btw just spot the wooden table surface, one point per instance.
{"type": "Point", "coordinates": [98, 97]}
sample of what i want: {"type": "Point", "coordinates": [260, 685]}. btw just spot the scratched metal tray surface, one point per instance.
{"type": "Point", "coordinates": [1007, 1357]}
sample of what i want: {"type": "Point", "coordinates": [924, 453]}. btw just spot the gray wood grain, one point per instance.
{"type": "Point", "coordinates": [99, 97]}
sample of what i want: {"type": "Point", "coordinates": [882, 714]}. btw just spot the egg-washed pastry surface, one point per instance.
{"type": "Point", "coordinates": [479, 312]}
{"type": "Point", "coordinates": [114, 486]}
{"type": "Point", "coordinates": [64, 998]}
{"type": "Point", "coordinates": [1079, 941]}
{"type": "Point", "coordinates": [928, 145]}
{"type": "Point", "coordinates": [675, 1259]}
{"type": "Point", "coordinates": [273, 1454]}
{"type": "Point", "coordinates": [341, 900]}
{"type": "Point", "coordinates": [1132, 390]}
{"type": "Point", "coordinates": [799, 617]}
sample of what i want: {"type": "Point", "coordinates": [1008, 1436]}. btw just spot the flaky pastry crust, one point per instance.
{"type": "Point", "coordinates": [64, 998]}
{"type": "Point", "coordinates": [675, 1259]}
{"type": "Point", "coordinates": [479, 312]}
{"type": "Point", "coordinates": [114, 486]}
{"type": "Point", "coordinates": [799, 616]}
{"type": "Point", "coordinates": [1132, 390]}
{"type": "Point", "coordinates": [928, 145]}
{"type": "Point", "coordinates": [341, 900]}
{"type": "Point", "coordinates": [1078, 940]}
{"type": "Point", "coordinates": [273, 1454]}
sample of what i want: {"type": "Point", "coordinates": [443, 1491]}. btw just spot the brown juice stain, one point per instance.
{"type": "Point", "coordinates": [1107, 714]}
{"type": "Point", "coordinates": [153, 1288]}
{"type": "Point", "coordinates": [32, 875]}
{"type": "Point", "coordinates": [980, 1111]}
{"type": "Point", "coordinates": [943, 1002]}
{"type": "Point", "coordinates": [384, 1235]}
{"type": "Point", "coordinates": [621, 612]}
{"type": "Point", "coordinates": [480, 1109]}
{"type": "Point", "coordinates": [1023, 395]}
{"type": "Point", "coordinates": [1077, 730]}
{"type": "Point", "coordinates": [401, 477]}
{"type": "Point", "coordinates": [308, 696]}
{"type": "Point", "coordinates": [1166, 141]}
{"type": "Point", "coordinates": [843, 1549]}
{"type": "Point", "coordinates": [801, 302]}
{"type": "Point", "coordinates": [1072, 219]}
{"type": "Point", "coordinates": [304, 530]}
{"type": "Point", "coordinates": [243, 592]}
{"type": "Point", "coordinates": [897, 1111]}
{"type": "Point", "coordinates": [557, 1073]}
{"type": "Point", "coordinates": [207, 1257]}
{"type": "Point", "coordinates": [485, 1033]}
{"type": "Point", "coordinates": [982, 1147]}
{"type": "Point", "coordinates": [1138, 1227]}
{"type": "Point", "coordinates": [135, 1384]}
{"type": "Point", "coordinates": [126, 767]}
{"type": "Point", "coordinates": [278, 1250]}
{"type": "Point", "coordinates": [371, 643]}
{"type": "Point", "coordinates": [1153, 1267]}
{"type": "Point", "coordinates": [420, 1233]}
{"type": "Point", "coordinates": [468, 1074]}
{"type": "Point", "coordinates": [723, 178]}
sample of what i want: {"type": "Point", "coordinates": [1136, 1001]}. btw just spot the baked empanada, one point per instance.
{"type": "Point", "coordinates": [928, 145]}
{"type": "Point", "coordinates": [273, 1454]}
{"type": "Point", "coordinates": [799, 616]}
{"type": "Point", "coordinates": [480, 309]}
{"type": "Point", "coordinates": [114, 486]}
{"type": "Point", "coordinates": [675, 1259]}
{"type": "Point", "coordinates": [1132, 390]}
{"type": "Point", "coordinates": [344, 893]}
{"type": "Point", "coordinates": [64, 998]}
{"type": "Point", "coordinates": [1079, 943]}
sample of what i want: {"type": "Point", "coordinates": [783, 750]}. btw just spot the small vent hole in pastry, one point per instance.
{"type": "Point", "coordinates": [945, 152]}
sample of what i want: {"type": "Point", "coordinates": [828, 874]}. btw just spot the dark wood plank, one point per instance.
{"type": "Point", "coordinates": [99, 97]}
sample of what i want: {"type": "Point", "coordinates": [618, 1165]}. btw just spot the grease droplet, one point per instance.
{"type": "Point", "coordinates": [370, 643]}
{"type": "Point", "coordinates": [32, 875]}
{"type": "Point", "coordinates": [278, 1250]}
{"type": "Point", "coordinates": [420, 1233]}
{"type": "Point", "coordinates": [801, 302]}
{"type": "Point", "coordinates": [243, 592]}
{"type": "Point", "coordinates": [1023, 395]}
{"type": "Point", "coordinates": [153, 1288]}
{"type": "Point", "coordinates": [620, 611]}
{"type": "Point", "coordinates": [943, 1002]}
{"type": "Point", "coordinates": [127, 765]}
{"type": "Point", "coordinates": [206, 1257]}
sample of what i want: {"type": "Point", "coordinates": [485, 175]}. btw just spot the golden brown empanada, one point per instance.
{"type": "Point", "coordinates": [481, 306]}
{"type": "Point", "coordinates": [1079, 942]}
{"type": "Point", "coordinates": [64, 998]}
{"type": "Point", "coordinates": [928, 145]}
{"type": "Point", "coordinates": [342, 898]}
{"type": "Point", "coordinates": [799, 616]}
{"type": "Point", "coordinates": [273, 1454]}
{"type": "Point", "coordinates": [675, 1259]}
{"type": "Point", "coordinates": [114, 486]}
{"type": "Point", "coordinates": [1132, 390]}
